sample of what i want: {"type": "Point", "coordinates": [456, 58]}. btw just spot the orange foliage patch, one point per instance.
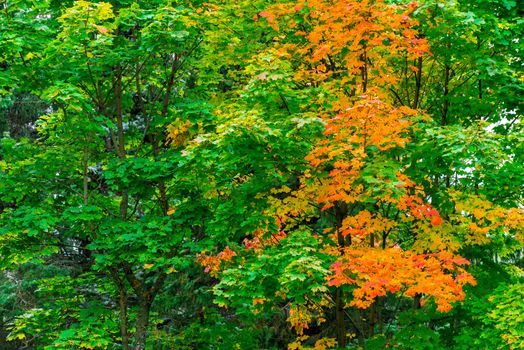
{"type": "Point", "coordinates": [258, 242]}
{"type": "Point", "coordinates": [212, 262]}
{"type": "Point", "coordinates": [439, 276]}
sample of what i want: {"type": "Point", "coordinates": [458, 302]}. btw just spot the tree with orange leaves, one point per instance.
{"type": "Point", "coordinates": [239, 174]}
{"type": "Point", "coordinates": [367, 230]}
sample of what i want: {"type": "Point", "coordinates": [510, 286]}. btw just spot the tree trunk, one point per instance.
{"type": "Point", "coordinates": [445, 107]}
{"type": "Point", "coordinates": [123, 319]}
{"type": "Point", "coordinates": [417, 301]}
{"type": "Point", "coordinates": [372, 318]}
{"type": "Point", "coordinates": [341, 327]}
{"type": "Point", "coordinates": [418, 83]}
{"type": "Point", "coordinates": [122, 304]}
{"type": "Point", "coordinates": [142, 322]}
{"type": "Point", "coordinates": [340, 213]}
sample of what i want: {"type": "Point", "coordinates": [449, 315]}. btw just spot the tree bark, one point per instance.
{"type": "Point", "coordinates": [124, 323]}
{"type": "Point", "coordinates": [418, 83]}
{"type": "Point", "coordinates": [417, 301]}
{"type": "Point", "coordinates": [445, 107]}
{"type": "Point", "coordinates": [341, 327]}
{"type": "Point", "coordinates": [340, 213]}
{"type": "Point", "coordinates": [141, 324]}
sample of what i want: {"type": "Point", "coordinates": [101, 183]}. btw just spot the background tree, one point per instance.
{"type": "Point", "coordinates": [98, 186]}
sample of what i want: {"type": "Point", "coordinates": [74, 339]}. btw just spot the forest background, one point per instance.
{"type": "Point", "coordinates": [261, 174]}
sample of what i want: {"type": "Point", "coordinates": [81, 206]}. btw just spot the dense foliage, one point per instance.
{"type": "Point", "coordinates": [261, 174]}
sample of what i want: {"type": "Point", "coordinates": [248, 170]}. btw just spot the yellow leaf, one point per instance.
{"type": "Point", "coordinates": [148, 266]}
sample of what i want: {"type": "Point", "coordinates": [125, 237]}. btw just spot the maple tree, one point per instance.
{"type": "Point", "coordinates": [101, 193]}
{"type": "Point", "coordinates": [260, 174]}
{"type": "Point", "coordinates": [346, 52]}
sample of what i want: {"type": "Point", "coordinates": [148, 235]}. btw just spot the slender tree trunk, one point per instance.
{"type": "Point", "coordinates": [418, 83]}
{"type": "Point", "coordinates": [479, 79]}
{"type": "Point", "coordinates": [445, 107]}
{"type": "Point", "coordinates": [121, 153]}
{"type": "Point", "coordinates": [339, 315]}
{"type": "Point", "coordinates": [380, 316]}
{"type": "Point", "coordinates": [122, 305]}
{"type": "Point", "coordinates": [373, 311]}
{"type": "Point", "coordinates": [340, 213]}
{"type": "Point", "coordinates": [361, 326]}
{"type": "Point", "coordinates": [121, 148]}
{"type": "Point", "coordinates": [141, 324]}
{"type": "Point", "coordinates": [417, 301]}
{"type": "Point", "coordinates": [341, 327]}
{"type": "Point", "coordinates": [124, 322]}
{"type": "Point", "coordinates": [85, 241]}
{"type": "Point", "coordinates": [480, 88]}
{"type": "Point", "coordinates": [364, 71]}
